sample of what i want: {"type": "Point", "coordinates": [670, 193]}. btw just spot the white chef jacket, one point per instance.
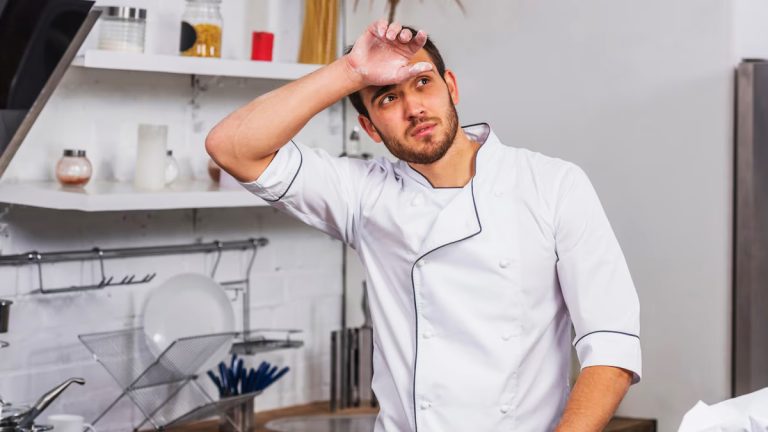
{"type": "Point", "coordinates": [472, 294]}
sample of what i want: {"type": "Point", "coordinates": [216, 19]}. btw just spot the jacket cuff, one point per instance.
{"type": "Point", "coordinates": [279, 175]}
{"type": "Point", "coordinates": [605, 348]}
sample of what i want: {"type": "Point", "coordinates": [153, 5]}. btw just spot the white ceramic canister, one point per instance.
{"type": "Point", "coordinates": [151, 157]}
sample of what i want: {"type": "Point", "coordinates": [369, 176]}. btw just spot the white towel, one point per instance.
{"type": "Point", "coordinates": [748, 413]}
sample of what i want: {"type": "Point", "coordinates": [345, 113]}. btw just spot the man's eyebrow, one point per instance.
{"type": "Point", "coordinates": [381, 91]}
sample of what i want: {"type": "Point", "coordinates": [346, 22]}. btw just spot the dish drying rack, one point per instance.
{"type": "Point", "coordinates": [153, 381]}
{"type": "Point", "coordinates": [247, 341]}
{"type": "Point", "coordinates": [164, 387]}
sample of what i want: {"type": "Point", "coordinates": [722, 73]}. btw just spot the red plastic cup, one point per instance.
{"type": "Point", "coordinates": [261, 46]}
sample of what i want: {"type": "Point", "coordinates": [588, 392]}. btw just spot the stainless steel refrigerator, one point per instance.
{"type": "Point", "coordinates": [750, 275]}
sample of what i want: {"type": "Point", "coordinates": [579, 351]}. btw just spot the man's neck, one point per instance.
{"type": "Point", "coordinates": [456, 168]}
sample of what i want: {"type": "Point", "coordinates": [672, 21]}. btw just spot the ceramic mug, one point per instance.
{"type": "Point", "coordinates": [69, 423]}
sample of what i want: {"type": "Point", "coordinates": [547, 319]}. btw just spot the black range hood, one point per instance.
{"type": "Point", "coordinates": [38, 40]}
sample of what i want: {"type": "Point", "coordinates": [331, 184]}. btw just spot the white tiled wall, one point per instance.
{"type": "Point", "coordinates": [296, 284]}
{"type": "Point", "coordinates": [297, 277]}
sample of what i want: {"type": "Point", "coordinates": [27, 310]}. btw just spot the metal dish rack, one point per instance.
{"type": "Point", "coordinates": [248, 342]}
{"type": "Point", "coordinates": [163, 388]}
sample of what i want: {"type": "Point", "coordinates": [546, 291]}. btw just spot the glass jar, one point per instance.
{"type": "Point", "coordinates": [122, 29]}
{"type": "Point", "coordinates": [73, 169]}
{"type": "Point", "coordinates": [201, 29]}
{"type": "Point", "coordinates": [171, 168]}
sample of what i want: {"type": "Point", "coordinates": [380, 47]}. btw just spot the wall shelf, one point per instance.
{"type": "Point", "coordinates": [115, 60]}
{"type": "Point", "coordinates": [114, 196]}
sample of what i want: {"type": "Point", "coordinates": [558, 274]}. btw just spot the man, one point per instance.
{"type": "Point", "coordinates": [479, 256]}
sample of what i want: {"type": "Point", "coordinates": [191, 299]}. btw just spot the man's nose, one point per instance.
{"type": "Point", "coordinates": [414, 106]}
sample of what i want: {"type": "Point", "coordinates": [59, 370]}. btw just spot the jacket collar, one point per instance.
{"type": "Point", "coordinates": [480, 132]}
{"type": "Point", "coordinates": [460, 218]}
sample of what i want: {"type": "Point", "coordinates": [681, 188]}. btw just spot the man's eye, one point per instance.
{"type": "Point", "coordinates": [423, 79]}
{"type": "Point", "coordinates": [385, 100]}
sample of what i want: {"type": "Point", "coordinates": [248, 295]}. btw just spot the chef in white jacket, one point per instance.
{"type": "Point", "coordinates": [479, 256]}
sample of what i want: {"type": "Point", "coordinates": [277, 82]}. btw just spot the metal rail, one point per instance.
{"type": "Point", "coordinates": [35, 257]}
{"type": "Point", "coordinates": [39, 258]}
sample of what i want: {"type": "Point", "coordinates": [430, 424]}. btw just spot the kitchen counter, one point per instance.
{"type": "Point", "coordinates": [618, 424]}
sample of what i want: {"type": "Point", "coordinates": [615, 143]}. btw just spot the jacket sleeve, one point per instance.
{"type": "Point", "coordinates": [595, 280]}
{"type": "Point", "coordinates": [320, 190]}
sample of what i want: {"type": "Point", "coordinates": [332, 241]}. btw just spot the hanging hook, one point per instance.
{"type": "Point", "coordinates": [219, 247]}
{"type": "Point", "coordinates": [104, 281]}
{"type": "Point", "coordinates": [37, 257]}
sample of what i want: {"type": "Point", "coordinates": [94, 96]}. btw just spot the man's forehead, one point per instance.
{"type": "Point", "coordinates": [421, 56]}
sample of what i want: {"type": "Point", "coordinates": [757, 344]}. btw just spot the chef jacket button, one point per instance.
{"type": "Point", "coordinates": [417, 200]}
{"type": "Point", "coordinates": [506, 337]}
{"type": "Point", "coordinates": [504, 263]}
{"type": "Point", "coordinates": [427, 334]}
{"type": "Point", "coordinates": [504, 409]}
{"type": "Point", "coordinates": [499, 193]}
{"type": "Point", "coordinates": [425, 405]}
{"type": "Point", "coordinates": [421, 263]}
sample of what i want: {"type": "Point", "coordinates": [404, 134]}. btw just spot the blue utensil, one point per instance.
{"type": "Point", "coordinates": [261, 374]}
{"type": "Point", "coordinates": [216, 381]}
{"type": "Point", "coordinates": [224, 378]}
{"type": "Point", "coordinates": [272, 372]}
{"type": "Point", "coordinates": [251, 381]}
{"type": "Point", "coordinates": [282, 372]}
{"type": "Point", "coordinates": [232, 381]}
{"type": "Point", "coordinates": [239, 375]}
{"type": "Point", "coordinates": [277, 377]}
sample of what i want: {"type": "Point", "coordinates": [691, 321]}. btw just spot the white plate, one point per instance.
{"type": "Point", "coordinates": [188, 304]}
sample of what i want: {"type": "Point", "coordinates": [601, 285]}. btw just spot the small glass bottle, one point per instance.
{"type": "Point", "coordinates": [201, 26]}
{"type": "Point", "coordinates": [122, 29]}
{"type": "Point", "coordinates": [74, 168]}
{"type": "Point", "coordinates": [171, 168]}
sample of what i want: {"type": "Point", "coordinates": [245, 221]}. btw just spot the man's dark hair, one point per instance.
{"type": "Point", "coordinates": [429, 47]}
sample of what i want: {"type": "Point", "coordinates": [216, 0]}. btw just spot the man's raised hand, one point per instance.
{"type": "Point", "coordinates": [381, 54]}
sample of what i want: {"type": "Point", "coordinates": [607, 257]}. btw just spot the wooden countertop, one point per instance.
{"type": "Point", "coordinates": [618, 424]}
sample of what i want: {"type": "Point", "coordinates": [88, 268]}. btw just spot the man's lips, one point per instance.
{"type": "Point", "coordinates": [422, 130]}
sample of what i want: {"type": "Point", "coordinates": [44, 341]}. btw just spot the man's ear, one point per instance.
{"type": "Point", "coordinates": [453, 87]}
{"type": "Point", "coordinates": [366, 124]}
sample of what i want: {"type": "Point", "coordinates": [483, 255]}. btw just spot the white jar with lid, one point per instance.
{"type": "Point", "coordinates": [122, 29]}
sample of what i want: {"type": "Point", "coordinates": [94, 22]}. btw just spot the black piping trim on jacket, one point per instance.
{"type": "Point", "coordinates": [301, 161]}
{"type": "Point", "coordinates": [415, 307]}
{"type": "Point", "coordinates": [430, 183]}
{"type": "Point", "coordinates": [447, 187]}
{"type": "Point", "coordinates": [606, 331]}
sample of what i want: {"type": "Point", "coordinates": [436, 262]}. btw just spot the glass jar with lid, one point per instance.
{"type": "Point", "coordinates": [201, 28]}
{"type": "Point", "coordinates": [74, 168]}
{"type": "Point", "coordinates": [122, 29]}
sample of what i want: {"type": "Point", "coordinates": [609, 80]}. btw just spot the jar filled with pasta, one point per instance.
{"type": "Point", "coordinates": [201, 29]}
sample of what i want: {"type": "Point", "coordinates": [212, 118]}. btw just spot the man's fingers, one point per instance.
{"type": "Point", "coordinates": [393, 30]}
{"type": "Point", "coordinates": [418, 41]}
{"type": "Point", "coordinates": [405, 36]}
{"type": "Point", "coordinates": [379, 27]}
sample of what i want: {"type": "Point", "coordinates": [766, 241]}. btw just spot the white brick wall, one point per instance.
{"type": "Point", "coordinates": [296, 284]}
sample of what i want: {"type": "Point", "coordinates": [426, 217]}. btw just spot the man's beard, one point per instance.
{"type": "Point", "coordinates": [438, 148]}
